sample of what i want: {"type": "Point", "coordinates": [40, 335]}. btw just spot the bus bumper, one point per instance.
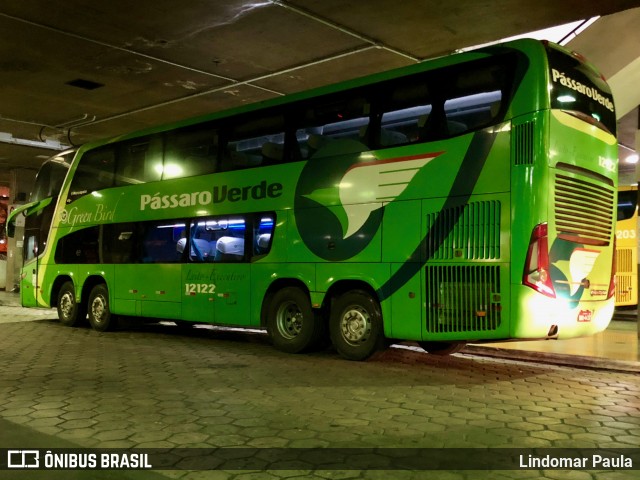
{"type": "Point", "coordinates": [536, 316]}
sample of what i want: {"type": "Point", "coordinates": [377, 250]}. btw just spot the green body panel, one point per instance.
{"type": "Point", "coordinates": [28, 285]}
{"type": "Point", "coordinates": [155, 289]}
{"type": "Point", "coordinates": [567, 146]}
{"type": "Point", "coordinates": [399, 242]}
{"type": "Point", "coordinates": [530, 187]}
{"type": "Point", "coordinates": [199, 292]}
{"type": "Point", "coordinates": [192, 197]}
{"type": "Point", "coordinates": [232, 305]}
{"type": "Point", "coordinates": [407, 311]}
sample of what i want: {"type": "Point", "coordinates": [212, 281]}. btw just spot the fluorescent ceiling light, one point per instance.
{"type": "Point", "coordinates": [633, 158]}
{"type": "Point", "coordinates": [6, 137]}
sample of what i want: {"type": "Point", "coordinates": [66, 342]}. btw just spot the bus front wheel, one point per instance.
{"type": "Point", "coordinates": [356, 325]}
{"type": "Point", "coordinates": [291, 322]}
{"type": "Point", "coordinates": [100, 316]}
{"type": "Point", "coordinates": [442, 348]}
{"type": "Point", "coordinates": [70, 312]}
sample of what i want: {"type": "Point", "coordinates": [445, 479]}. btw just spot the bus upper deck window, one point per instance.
{"type": "Point", "coordinates": [190, 152]}
{"type": "Point", "coordinates": [140, 161]}
{"type": "Point", "coordinates": [95, 172]}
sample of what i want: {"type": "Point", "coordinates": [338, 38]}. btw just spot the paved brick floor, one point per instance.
{"type": "Point", "coordinates": [157, 387]}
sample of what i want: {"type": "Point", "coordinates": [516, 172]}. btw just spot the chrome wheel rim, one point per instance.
{"type": "Point", "coordinates": [289, 320]}
{"type": "Point", "coordinates": [355, 325]}
{"type": "Point", "coordinates": [98, 309]}
{"type": "Point", "coordinates": [67, 304]}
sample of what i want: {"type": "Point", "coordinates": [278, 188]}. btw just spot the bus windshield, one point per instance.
{"type": "Point", "coordinates": [51, 176]}
{"type": "Point", "coordinates": [579, 90]}
{"type": "Point", "coordinates": [627, 203]}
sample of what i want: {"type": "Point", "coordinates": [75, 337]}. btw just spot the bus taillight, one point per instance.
{"type": "Point", "coordinates": [614, 269]}
{"type": "Point", "coordinates": [536, 267]}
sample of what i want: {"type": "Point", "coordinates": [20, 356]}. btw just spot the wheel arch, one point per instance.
{"type": "Point", "coordinates": [90, 282]}
{"type": "Point", "coordinates": [343, 286]}
{"type": "Point", "coordinates": [279, 284]}
{"type": "Point", "coordinates": [57, 285]}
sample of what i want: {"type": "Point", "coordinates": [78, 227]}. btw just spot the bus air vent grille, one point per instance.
{"type": "Point", "coordinates": [463, 299]}
{"type": "Point", "coordinates": [624, 260]}
{"type": "Point", "coordinates": [473, 232]}
{"type": "Point", "coordinates": [523, 141]}
{"type": "Point", "coordinates": [624, 289]}
{"type": "Point", "coordinates": [583, 211]}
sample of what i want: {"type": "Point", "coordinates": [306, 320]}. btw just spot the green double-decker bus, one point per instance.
{"type": "Point", "coordinates": [465, 199]}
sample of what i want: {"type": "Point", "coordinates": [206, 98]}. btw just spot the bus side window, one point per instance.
{"type": "Point", "coordinates": [95, 172]}
{"type": "Point", "coordinates": [403, 126]}
{"type": "Point", "coordinates": [201, 241]}
{"type": "Point", "coordinates": [405, 110]}
{"type": "Point", "coordinates": [79, 247]}
{"type": "Point", "coordinates": [254, 142]}
{"type": "Point", "coordinates": [332, 119]}
{"type": "Point", "coordinates": [262, 235]}
{"type": "Point", "coordinates": [217, 239]}
{"type": "Point", "coordinates": [30, 247]}
{"type": "Point", "coordinates": [473, 111]}
{"type": "Point", "coordinates": [159, 240]}
{"type": "Point", "coordinates": [189, 152]}
{"type": "Point", "coordinates": [230, 240]}
{"type": "Point", "coordinates": [139, 161]}
{"type": "Point", "coordinates": [474, 96]}
{"type": "Point", "coordinates": [118, 242]}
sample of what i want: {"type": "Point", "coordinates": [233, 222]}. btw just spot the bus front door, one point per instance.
{"type": "Point", "coordinates": [29, 277]}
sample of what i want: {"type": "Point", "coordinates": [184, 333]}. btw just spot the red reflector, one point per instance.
{"type": "Point", "coordinates": [537, 265]}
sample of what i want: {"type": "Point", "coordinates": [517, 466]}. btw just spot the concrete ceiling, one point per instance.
{"type": "Point", "coordinates": [80, 70]}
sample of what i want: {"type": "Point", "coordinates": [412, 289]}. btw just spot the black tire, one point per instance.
{"type": "Point", "coordinates": [442, 348]}
{"type": "Point", "coordinates": [100, 316]}
{"type": "Point", "coordinates": [355, 325]}
{"type": "Point", "coordinates": [292, 324]}
{"type": "Point", "coordinates": [70, 312]}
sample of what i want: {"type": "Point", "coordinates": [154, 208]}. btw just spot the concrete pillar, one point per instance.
{"type": "Point", "coordinates": [4, 200]}
{"type": "Point", "coordinates": [638, 225]}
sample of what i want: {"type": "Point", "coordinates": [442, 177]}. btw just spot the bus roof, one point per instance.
{"type": "Point", "coordinates": [526, 45]}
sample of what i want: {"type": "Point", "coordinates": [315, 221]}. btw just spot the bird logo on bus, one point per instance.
{"type": "Point", "coordinates": [349, 203]}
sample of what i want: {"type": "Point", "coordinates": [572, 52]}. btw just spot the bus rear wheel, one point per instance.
{"type": "Point", "coordinates": [442, 348]}
{"type": "Point", "coordinates": [291, 322]}
{"type": "Point", "coordinates": [100, 316]}
{"type": "Point", "coordinates": [70, 312]}
{"type": "Point", "coordinates": [355, 325]}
